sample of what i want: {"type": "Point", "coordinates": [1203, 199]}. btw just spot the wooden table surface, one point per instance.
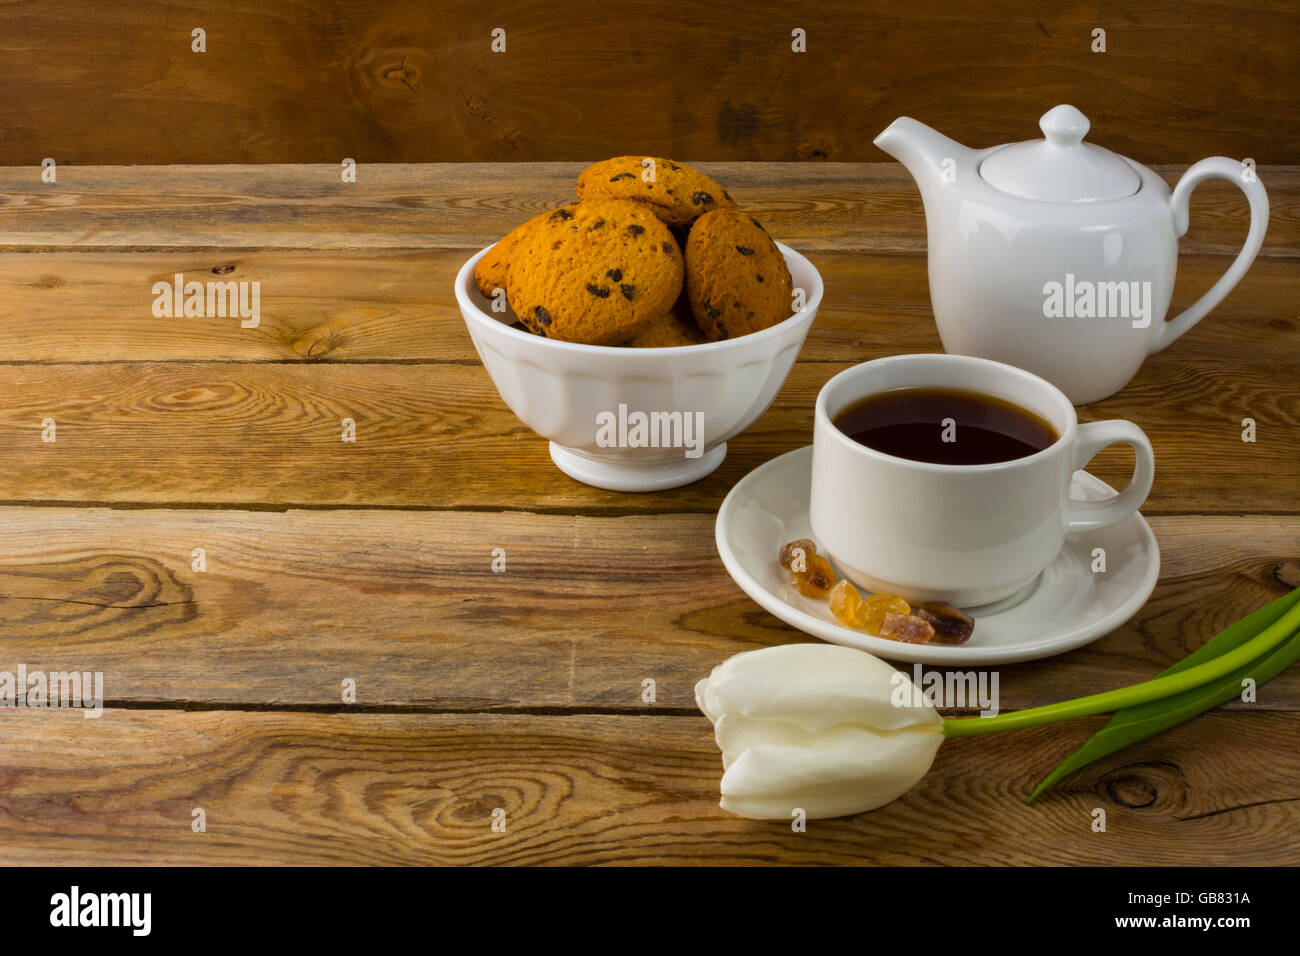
{"type": "Point", "coordinates": [371, 561]}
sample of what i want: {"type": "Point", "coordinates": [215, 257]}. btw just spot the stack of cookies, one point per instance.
{"type": "Point", "coordinates": [610, 270]}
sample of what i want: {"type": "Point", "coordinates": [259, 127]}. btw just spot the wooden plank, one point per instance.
{"type": "Point", "coordinates": [406, 605]}
{"type": "Point", "coordinates": [399, 305]}
{"type": "Point", "coordinates": [420, 789]}
{"type": "Point", "coordinates": [869, 207]}
{"type": "Point", "coordinates": [93, 307]}
{"type": "Point", "coordinates": [438, 436]}
{"type": "Point", "coordinates": [318, 81]}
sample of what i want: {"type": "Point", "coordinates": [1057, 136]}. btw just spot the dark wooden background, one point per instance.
{"type": "Point", "coordinates": [115, 81]}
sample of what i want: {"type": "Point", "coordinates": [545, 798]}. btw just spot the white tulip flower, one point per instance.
{"type": "Point", "coordinates": [816, 727]}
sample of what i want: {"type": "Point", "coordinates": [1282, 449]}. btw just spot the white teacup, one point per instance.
{"type": "Point", "coordinates": [964, 534]}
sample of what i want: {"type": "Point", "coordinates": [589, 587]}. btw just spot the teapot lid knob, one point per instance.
{"type": "Point", "coordinates": [1064, 126]}
{"type": "Point", "coordinates": [1060, 168]}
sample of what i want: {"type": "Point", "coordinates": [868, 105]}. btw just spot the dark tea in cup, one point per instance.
{"type": "Point", "coordinates": [945, 426]}
{"type": "Point", "coordinates": [944, 477]}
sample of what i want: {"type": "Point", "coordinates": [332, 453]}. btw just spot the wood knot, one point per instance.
{"type": "Point", "coordinates": [109, 596]}
{"type": "Point", "coordinates": [480, 809]}
{"type": "Point", "coordinates": [394, 73]}
{"type": "Point", "coordinates": [49, 282]}
{"type": "Point", "coordinates": [1132, 791]}
{"type": "Point", "coordinates": [1287, 573]}
{"type": "Point", "coordinates": [222, 270]}
{"type": "Point", "coordinates": [320, 340]}
{"type": "Point", "coordinates": [1138, 786]}
{"type": "Point", "coordinates": [390, 79]}
{"type": "Point", "coordinates": [115, 587]}
{"type": "Point", "coordinates": [814, 149]}
{"type": "Point", "coordinates": [407, 74]}
{"type": "Point", "coordinates": [517, 140]}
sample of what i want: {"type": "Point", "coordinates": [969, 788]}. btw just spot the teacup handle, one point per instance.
{"type": "Point", "coordinates": [1092, 438]}
{"type": "Point", "coordinates": [1247, 180]}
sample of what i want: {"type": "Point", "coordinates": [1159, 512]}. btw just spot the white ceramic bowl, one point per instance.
{"type": "Point", "coordinates": [571, 394]}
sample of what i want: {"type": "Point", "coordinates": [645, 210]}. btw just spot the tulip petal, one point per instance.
{"type": "Point", "coordinates": [815, 686]}
{"type": "Point", "coordinates": [827, 729]}
{"type": "Point", "coordinates": [850, 771]}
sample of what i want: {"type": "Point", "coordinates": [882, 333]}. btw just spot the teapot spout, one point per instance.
{"type": "Point", "coordinates": [926, 153]}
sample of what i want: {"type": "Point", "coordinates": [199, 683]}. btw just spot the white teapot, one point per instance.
{"type": "Point", "coordinates": [1059, 256]}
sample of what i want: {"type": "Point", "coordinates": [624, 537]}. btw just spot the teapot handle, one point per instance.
{"type": "Point", "coordinates": [1247, 180]}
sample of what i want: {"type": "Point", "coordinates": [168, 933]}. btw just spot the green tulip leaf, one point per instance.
{"type": "Point", "coordinates": [1137, 723]}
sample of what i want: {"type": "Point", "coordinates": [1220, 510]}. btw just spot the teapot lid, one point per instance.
{"type": "Point", "coordinates": [1061, 167]}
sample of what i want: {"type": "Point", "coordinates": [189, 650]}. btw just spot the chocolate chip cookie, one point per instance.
{"type": "Point", "coordinates": [736, 278]}
{"type": "Point", "coordinates": [595, 272]}
{"type": "Point", "coordinates": [671, 330]}
{"type": "Point", "coordinates": [677, 193]}
{"type": "Point", "coordinates": [491, 271]}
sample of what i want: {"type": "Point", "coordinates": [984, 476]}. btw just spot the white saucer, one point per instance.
{"type": "Point", "coordinates": [1066, 607]}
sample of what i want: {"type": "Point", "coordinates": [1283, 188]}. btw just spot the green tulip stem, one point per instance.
{"type": "Point", "coordinates": [1143, 693]}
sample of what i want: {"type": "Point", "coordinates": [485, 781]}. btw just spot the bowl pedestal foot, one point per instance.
{"type": "Point", "coordinates": [636, 476]}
